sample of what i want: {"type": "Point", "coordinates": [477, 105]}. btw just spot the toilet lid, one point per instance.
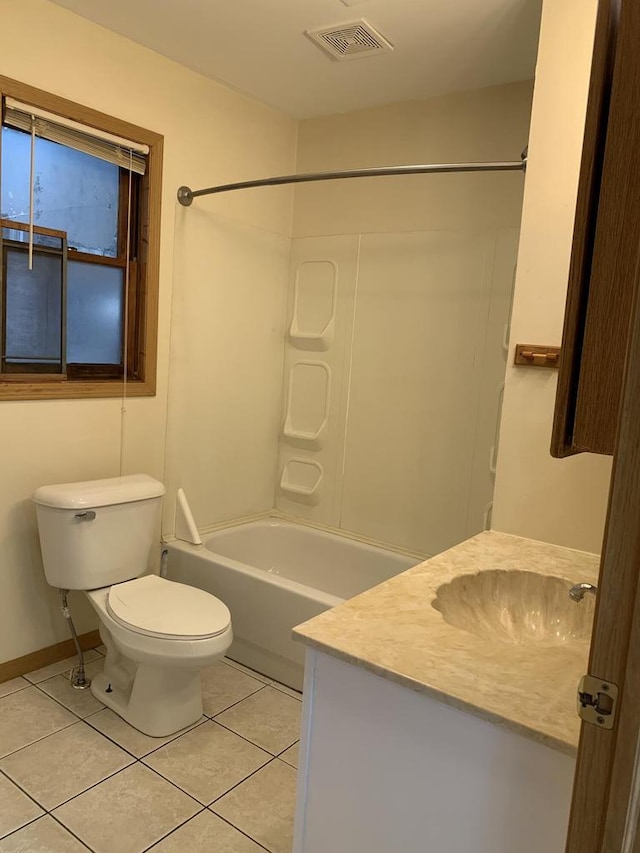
{"type": "Point", "coordinates": [162, 608]}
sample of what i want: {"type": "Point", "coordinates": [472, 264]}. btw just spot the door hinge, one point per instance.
{"type": "Point", "coordinates": [597, 701]}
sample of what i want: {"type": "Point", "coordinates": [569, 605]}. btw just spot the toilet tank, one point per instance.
{"type": "Point", "coordinates": [99, 532]}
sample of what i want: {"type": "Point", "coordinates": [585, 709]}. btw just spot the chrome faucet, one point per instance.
{"type": "Point", "coordinates": [577, 592]}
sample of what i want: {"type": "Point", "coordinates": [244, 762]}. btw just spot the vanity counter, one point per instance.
{"type": "Point", "coordinates": [394, 631]}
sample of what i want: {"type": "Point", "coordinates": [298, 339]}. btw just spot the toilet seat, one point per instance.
{"type": "Point", "coordinates": [157, 607]}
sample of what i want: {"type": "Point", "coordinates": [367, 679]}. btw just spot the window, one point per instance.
{"type": "Point", "coordinates": [79, 273]}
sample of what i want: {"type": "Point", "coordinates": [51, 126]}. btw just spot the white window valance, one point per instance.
{"type": "Point", "coordinates": [114, 149]}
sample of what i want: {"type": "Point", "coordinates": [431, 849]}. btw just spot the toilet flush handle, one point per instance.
{"type": "Point", "coordinates": [87, 515]}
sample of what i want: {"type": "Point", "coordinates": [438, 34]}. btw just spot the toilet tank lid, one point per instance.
{"type": "Point", "coordinates": [92, 493]}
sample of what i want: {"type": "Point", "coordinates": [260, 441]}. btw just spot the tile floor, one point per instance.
{"type": "Point", "coordinates": [75, 777]}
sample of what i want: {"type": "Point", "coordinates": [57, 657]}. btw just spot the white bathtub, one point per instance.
{"type": "Point", "coordinates": [274, 575]}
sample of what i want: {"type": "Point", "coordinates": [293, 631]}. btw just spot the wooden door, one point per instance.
{"type": "Point", "coordinates": [606, 800]}
{"type": "Point", "coordinates": [599, 300]}
{"type": "Point", "coordinates": [604, 809]}
{"type": "Point", "coordinates": [590, 181]}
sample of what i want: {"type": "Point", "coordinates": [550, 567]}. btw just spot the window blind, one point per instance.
{"type": "Point", "coordinates": [114, 149]}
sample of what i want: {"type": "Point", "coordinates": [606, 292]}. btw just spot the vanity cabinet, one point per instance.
{"type": "Point", "coordinates": [424, 733]}
{"type": "Point", "coordinates": [384, 768]}
{"type": "Point", "coordinates": [606, 246]}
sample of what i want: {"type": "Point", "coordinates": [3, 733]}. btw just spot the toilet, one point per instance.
{"type": "Point", "coordinates": [97, 536]}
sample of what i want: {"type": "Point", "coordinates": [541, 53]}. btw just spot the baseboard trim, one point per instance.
{"type": "Point", "coordinates": [44, 657]}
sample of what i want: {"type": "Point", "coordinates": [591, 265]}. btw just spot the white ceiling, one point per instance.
{"type": "Point", "coordinates": [258, 46]}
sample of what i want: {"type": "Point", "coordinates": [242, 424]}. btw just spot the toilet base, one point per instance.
{"type": "Point", "coordinates": [153, 682]}
{"type": "Point", "coordinates": [158, 702]}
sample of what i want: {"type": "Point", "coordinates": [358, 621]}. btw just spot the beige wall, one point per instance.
{"type": "Point", "coordinates": [560, 501]}
{"type": "Point", "coordinates": [227, 343]}
{"type": "Point", "coordinates": [486, 124]}
{"type": "Point", "coordinates": [211, 135]}
{"type": "Point", "coordinates": [409, 371]}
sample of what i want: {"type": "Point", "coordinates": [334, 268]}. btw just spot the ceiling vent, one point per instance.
{"type": "Point", "coordinates": [350, 41]}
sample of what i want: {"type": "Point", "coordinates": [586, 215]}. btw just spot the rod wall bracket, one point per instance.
{"type": "Point", "coordinates": [185, 196]}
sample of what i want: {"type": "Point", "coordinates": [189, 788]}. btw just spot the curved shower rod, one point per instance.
{"type": "Point", "coordinates": [186, 195]}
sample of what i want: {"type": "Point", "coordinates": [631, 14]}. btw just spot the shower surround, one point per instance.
{"type": "Point", "coordinates": [356, 380]}
{"type": "Point", "coordinates": [394, 362]}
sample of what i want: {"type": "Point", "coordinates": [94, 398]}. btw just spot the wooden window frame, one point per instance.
{"type": "Point", "coordinates": [81, 383]}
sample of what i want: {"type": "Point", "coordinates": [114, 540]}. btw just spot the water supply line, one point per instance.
{"type": "Point", "coordinates": [164, 561]}
{"type": "Point", "coordinates": [78, 676]}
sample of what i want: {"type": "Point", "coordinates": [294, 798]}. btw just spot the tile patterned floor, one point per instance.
{"type": "Point", "coordinates": [75, 777]}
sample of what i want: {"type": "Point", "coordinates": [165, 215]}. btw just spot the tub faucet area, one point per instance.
{"type": "Point", "coordinates": [578, 592]}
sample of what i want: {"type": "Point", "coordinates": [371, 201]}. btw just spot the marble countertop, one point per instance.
{"type": "Point", "coordinates": [394, 631]}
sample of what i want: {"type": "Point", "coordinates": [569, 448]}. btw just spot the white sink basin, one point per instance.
{"type": "Point", "coordinates": [515, 607]}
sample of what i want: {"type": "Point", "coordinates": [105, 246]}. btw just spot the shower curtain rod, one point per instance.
{"type": "Point", "coordinates": [187, 195]}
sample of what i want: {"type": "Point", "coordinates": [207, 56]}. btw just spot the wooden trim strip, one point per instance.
{"type": "Point", "coordinates": [75, 390]}
{"type": "Point", "coordinates": [44, 657]}
{"type": "Point", "coordinates": [30, 377]}
{"type": "Point", "coordinates": [149, 268]}
{"type": "Point", "coordinates": [37, 229]}
{"type": "Point", "coordinates": [88, 258]}
{"type": "Point", "coordinates": [618, 629]}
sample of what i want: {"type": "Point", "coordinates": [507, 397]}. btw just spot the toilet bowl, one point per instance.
{"type": "Point", "coordinates": [97, 536]}
{"type": "Point", "coordinates": [159, 635]}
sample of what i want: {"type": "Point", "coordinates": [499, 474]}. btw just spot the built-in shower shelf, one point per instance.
{"type": "Point", "coordinates": [307, 402]}
{"type": "Point", "coordinates": [314, 305]}
{"type": "Point", "coordinates": [301, 479]}
{"type": "Point", "coordinates": [319, 343]}
{"type": "Point", "coordinates": [296, 435]}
